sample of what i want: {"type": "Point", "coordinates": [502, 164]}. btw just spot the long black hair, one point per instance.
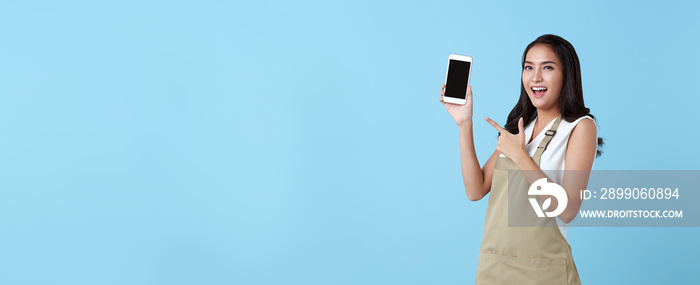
{"type": "Point", "coordinates": [571, 104]}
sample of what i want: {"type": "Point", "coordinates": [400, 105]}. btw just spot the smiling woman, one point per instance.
{"type": "Point", "coordinates": [542, 74]}
{"type": "Point", "coordinates": [550, 62]}
{"type": "Point", "coordinates": [551, 99]}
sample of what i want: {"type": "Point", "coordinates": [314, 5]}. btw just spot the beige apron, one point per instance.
{"type": "Point", "coordinates": [522, 255]}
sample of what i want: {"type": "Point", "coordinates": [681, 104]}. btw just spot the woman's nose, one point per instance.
{"type": "Point", "coordinates": [536, 76]}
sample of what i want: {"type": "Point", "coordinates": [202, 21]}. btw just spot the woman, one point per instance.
{"type": "Point", "coordinates": [549, 129]}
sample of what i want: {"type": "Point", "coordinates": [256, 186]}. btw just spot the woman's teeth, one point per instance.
{"type": "Point", "coordinates": [539, 91]}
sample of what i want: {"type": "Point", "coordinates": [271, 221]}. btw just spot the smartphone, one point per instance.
{"type": "Point", "coordinates": [459, 69]}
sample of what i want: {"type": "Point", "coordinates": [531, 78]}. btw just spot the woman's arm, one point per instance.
{"type": "Point", "coordinates": [580, 153]}
{"type": "Point", "coordinates": [477, 182]}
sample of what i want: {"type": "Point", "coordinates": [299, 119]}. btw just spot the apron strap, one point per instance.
{"type": "Point", "coordinates": [545, 141]}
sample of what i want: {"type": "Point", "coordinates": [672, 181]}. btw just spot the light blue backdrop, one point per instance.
{"type": "Point", "coordinates": [298, 142]}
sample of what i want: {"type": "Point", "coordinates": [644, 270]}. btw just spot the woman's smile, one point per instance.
{"type": "Point", "coordinates": [538, 91]}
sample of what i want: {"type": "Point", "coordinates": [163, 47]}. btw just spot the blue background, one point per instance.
{"type": "Point", "coordinates": [301, 142]}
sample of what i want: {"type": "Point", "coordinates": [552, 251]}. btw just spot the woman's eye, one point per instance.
{"type": "Point", "coordinates": [528, 68]}
{"type": "Point", "coordinates": [548, 67]}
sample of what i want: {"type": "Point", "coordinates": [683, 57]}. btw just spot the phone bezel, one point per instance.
{"type": "Point", "coordinates": [466, 58]}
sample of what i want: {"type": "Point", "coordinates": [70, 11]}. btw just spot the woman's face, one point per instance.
{"type": "Point", "coordinates": [543, 76]}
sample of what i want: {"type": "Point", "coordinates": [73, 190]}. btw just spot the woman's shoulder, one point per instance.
{"type": "Point", "coordinates": [583, 122]}
{"type": "Point", "coordinates": [579, 119]}
{"type": "Point", "coordinates": [584, 129]}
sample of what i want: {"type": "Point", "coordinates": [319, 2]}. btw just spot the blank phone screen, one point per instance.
{"type": "Point", "coordinates": [457, 77]}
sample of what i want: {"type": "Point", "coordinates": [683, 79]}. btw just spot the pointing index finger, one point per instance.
{"type": "Point", "coordinates": [494, 124]}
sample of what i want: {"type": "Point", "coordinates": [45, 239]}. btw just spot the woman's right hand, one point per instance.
{"type": "Point", "coordinates": [460, 113]}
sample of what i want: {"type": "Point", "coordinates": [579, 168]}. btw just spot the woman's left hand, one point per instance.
{"type": "Point", "coordinates": [510, 145]}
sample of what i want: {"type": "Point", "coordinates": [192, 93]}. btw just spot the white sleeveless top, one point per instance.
{"type": "Point", "coordinates": [553, 158]}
